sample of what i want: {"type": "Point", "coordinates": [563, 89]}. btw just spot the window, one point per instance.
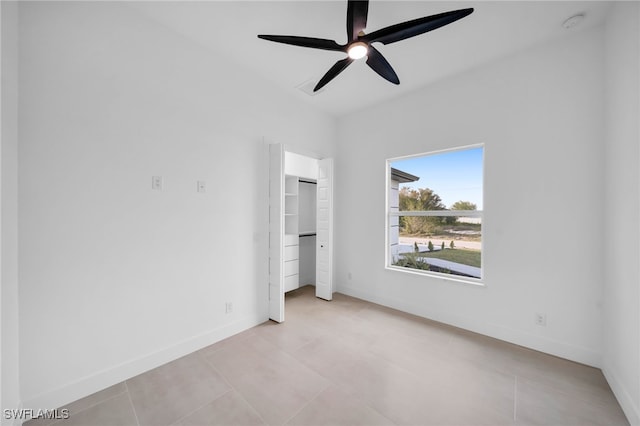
{"type": "Point", "coordinates": [434, 213]}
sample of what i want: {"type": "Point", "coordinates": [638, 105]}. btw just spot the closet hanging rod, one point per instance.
{"type": "Point", "coordinates": [308, 234]}
{"type": "Point", "coordinates": [307, 181]}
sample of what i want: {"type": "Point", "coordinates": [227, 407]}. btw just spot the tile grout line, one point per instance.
{"type": "Point", "coordinates": [314, 340]}
{"type": "Point", "coordinates": [135, 413]}
{"type": "Point", "coordinates": [202, 406]}
{"type": "Point", "coordinates": [515, 398]}
{"type": "Point", "coordinates": [233, 388]}
{"type": "Point", "coordinates": [58, 422]}
{"type": "Point", "coordinates": [371, 407]}
{"type": "Point", "coordinates": [222, 376]}
{"type": "Point", "coordinates": [365, 403]}
{"type": "Point", "coordinates": [329, 384]}
{"type": "Point", "coordinates": [250, 406]}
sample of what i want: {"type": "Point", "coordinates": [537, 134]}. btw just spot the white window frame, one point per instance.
{"type": "Point", "coordinates": [393, 214]}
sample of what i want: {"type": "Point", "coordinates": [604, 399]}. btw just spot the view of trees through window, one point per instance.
{"type": "Point", "coordinates": [435, 208]}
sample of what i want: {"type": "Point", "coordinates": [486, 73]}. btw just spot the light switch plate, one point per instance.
{"type": "Point", "coordinates": [156, 183]}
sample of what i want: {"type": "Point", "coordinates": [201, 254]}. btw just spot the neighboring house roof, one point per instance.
{"type": "Point", "coordinates": [402, 177]}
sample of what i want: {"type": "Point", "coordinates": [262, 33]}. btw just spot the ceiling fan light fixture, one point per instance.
{"type": "Point", "coordinates": [358, 50]}
{"type": "Point", "coordinates": [360, 44]}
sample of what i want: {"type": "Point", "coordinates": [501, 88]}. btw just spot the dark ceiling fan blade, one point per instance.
{"type": "Point", "coordinates": [336, 69]}
{"type": "Point", "coordinates": [357, 11]}
{"type": "Point", "coordinates": [314, 43]}
{"type": "Point", "coordinates": [415, 27]}
{"type": "Point", "coordinates": [379, 64]}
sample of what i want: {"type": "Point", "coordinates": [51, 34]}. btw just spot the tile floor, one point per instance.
{"type": "Point", "coordinates": [350, 362]}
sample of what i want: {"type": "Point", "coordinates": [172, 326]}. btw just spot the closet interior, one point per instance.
{"type": "Point", "coordinates": [299, 232]}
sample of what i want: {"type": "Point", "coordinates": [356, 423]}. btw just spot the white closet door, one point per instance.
{"type": "Point", "coordinates": [324, 230]}
{"type": "Point", "coordinates": [276, 232]}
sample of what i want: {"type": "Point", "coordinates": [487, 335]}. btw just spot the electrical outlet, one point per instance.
{"type": "Point", "coordinates": [541, 319]}
{"type": "Point", "coordinates": [228, 308]}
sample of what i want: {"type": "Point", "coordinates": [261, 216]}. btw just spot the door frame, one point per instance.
{"type": "Point", "coordinates": [276, 231]}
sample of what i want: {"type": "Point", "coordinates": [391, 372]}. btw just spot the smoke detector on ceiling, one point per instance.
{"type": "Point", "coordinates": [573, 21]}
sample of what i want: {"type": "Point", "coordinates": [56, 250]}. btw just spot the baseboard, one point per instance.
{"type": "Point", "coordinates": [114, 375]}
{"type": "Point", "coordinates": [539, 343]}
{"type": "Point", "coordinates": [628, 405]}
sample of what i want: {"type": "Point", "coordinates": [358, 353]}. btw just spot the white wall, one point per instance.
{"type": "Point", "coordinates": [9, 361]}
{"type": "Point", "coordinates": [116, 278]}
{"type": "Point", "coordinates": [621, 359]}
{"type": "Point", "coordinates": [540, 115]}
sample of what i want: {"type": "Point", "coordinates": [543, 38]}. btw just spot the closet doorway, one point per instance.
{"type": "Point", "coordinates": [300, 226]}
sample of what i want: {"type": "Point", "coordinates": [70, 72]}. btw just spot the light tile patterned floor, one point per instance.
{"type": "Point", "coordinates": [350, 362]}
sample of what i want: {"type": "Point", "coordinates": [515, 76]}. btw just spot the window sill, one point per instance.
{"type": "Point", "coordinates": [477, 282]}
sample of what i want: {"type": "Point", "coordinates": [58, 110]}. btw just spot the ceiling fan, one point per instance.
{"type": "Point", "coordinates": [359, 44]}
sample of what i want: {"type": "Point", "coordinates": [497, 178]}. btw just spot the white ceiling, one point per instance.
{"type": "Point", "coordinates": [494, 30]}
